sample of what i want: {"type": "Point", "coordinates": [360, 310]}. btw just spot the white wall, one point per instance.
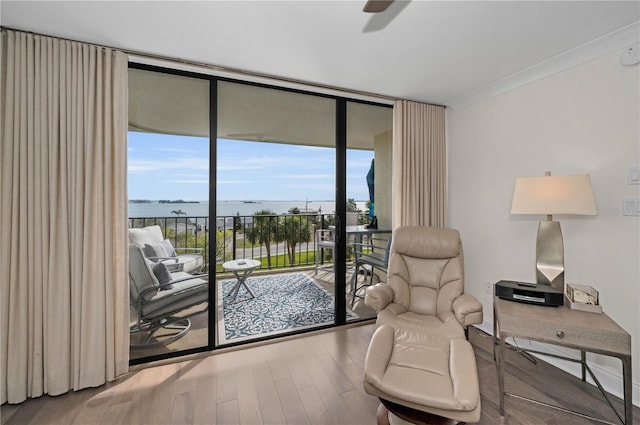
{"type": "Point", "coordinates": [583, 120]}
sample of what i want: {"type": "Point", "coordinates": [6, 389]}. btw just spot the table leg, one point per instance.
{"type": "Point", "coordinates": [241, 282]}
{"type": "Point", "coordinates": [627, 384]}
{"type": "Point", "coordinates": [244, 282]}
{"type": "Point", "coordinates": [357, 250]}
{"type": "Point", "coordinates": [583, 364]}
{"type": "Point", "coordinates": [234, 291]}
{"type": "Point", "coordinates": [501, 371]}
{"type": "Point", "coordinates": [495, 331]}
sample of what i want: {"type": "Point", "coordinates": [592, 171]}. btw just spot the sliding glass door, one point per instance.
{"type": "Point", "coordinates": [368, 191]}
{"type": "Point", "coordinates": [168, 190]}
{"type": "Point", "coordinates": [275, 192]}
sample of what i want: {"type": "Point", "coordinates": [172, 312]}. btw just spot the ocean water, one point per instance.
{"type": "Point", "coordinates": [229, 208]}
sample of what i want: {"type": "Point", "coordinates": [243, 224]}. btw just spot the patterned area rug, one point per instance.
{"type": "Point", "coordinates": [282, 302]}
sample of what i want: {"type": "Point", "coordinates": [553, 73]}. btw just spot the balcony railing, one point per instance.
{"type": "Point", "coordinates": [182, 231]}
{"type": "Point", "coordinates": [267, 238]}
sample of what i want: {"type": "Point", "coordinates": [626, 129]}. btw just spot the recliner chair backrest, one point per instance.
{"type": "Point", "coordinates": [426, 268]}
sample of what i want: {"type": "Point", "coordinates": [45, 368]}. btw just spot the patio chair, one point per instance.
{"type": "Point", "coordinates": [158, 296]}
{"type": "Point", "coordinates": [369, 256]}
{"type": "Point", "coordinates": [324, 240]}
{"type": "Point", "coordinates": [157, 248]}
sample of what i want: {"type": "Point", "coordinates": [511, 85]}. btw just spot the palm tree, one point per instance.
{"type": "Point", "coordinates": [263, 231]}
{"type": "Point", "coordinates": [295, 229]}
{"type": "Point", "coordinates": [352, 206]}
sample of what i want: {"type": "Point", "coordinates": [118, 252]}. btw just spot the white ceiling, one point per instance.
{"type": "Point", "coordinates": [444, 52]}
{"type": "Point", "coordinates": [173, 104]}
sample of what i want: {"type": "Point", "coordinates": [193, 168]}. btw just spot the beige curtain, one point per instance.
{"type": "Point", "coordinates": [63, 223]}
{"type": "Point", "coordinates": [419, 165]}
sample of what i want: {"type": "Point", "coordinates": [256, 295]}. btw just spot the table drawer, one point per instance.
{"type": "Point", "coordinates": [588, 338]}
{"type": "Point", "coordinates": [579, 338]}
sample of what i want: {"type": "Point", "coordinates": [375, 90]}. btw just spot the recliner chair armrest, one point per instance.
{"type": "Point", "coordinates": [468, 310]}
{"type": "Point", "coordinates": [378, 296]}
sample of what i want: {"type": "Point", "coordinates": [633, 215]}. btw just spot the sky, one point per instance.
{"type": "Point", "coordinates": [177, 167]}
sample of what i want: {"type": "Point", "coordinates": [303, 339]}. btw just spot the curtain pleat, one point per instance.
{"type": "Point", "coordinates": [63, 266]}
{"type": "Point", "coordinates": [419, 165]}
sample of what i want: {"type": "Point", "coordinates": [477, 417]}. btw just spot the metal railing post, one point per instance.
{"type": "Point", "coordinates": [233, 241]}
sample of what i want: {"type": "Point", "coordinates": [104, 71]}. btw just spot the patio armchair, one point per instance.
{"type": "Point", "coordinates": [159, 297]}
{"type": "Point", "coordinates": [324, 240]}
{"type": "Point", "coordinates": [369, 256]}
{"type": "Point", "coordinates": [158, 249]}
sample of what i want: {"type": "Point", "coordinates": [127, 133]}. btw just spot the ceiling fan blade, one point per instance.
{"type": "Point", "coordinates": [379, 21]}
{"type": "Point", "coordinates": [377, 6]}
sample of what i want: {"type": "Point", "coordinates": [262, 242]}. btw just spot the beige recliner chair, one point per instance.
{"type": "Point", "coordinates": [425, 283]}
{"type": "Point", "coordinates": [418, 356]}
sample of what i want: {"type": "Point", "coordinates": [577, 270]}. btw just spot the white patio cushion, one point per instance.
{"type": "Point", "coordinates": [153, 244]}
{"type": "Point", "coordinates": [160, 249]}
{"type": "Point", "coordinates": [181, 295]}
{"type": "Point", "coordinates": [146, 235]}
{"type": "Point", "coordinates": [190, 262]}
{"type": "Point", "coordinates": [140, 274]}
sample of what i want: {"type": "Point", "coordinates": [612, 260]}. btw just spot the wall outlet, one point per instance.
{"type": "Point", "coordinates": [488, 287]}
{"type": "Point", "coordinates": [631, 206]}
{"type": "Point", "coordinates": [633, 176]}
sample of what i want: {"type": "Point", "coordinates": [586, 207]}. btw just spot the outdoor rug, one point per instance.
{"type": "Point", "coordinates": [283, 302]}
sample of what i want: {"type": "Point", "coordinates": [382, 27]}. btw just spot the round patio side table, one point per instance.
{"type": "Point", "coordinates": [241, 269]}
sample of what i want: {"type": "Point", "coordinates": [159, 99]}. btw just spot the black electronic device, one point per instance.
{"type": "Point", "coordinates": [529, 293]}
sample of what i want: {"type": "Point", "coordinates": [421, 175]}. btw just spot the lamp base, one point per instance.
{"type": "Point", "coordinates": [550, 255]}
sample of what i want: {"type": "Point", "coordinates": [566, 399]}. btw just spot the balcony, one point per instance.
{"type": "Point", "coordinates": [285, 246]}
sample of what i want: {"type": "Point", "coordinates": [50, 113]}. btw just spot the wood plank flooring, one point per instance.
{"type": "Point", "coordinates": [313, 379]}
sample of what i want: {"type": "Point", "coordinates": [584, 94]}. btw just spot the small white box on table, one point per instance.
{"type": "Point", "coordinates": [583, 298]}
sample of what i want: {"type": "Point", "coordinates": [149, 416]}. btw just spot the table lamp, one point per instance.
{"type": "Point", "coordinates": [551, 195]}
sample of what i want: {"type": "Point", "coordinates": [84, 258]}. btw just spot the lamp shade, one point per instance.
{"type": "Point", "coordinates": [554, 195]}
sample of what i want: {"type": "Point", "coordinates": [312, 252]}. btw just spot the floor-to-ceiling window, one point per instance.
{"type": "Point", "coordinates": [168, 187]}
{"type": "Point", "coordinates": [275, 186]}
{"type": "Point", "coordinates": [368, 190]}
{"type": "Point", "coordinates": [284, 167]}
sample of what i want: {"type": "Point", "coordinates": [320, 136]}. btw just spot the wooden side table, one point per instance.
{"type": "Point", "coordinates": [587, 332]}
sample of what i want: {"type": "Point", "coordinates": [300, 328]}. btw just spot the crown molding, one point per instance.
{"type": "Point", "coordinates": [596, 48]}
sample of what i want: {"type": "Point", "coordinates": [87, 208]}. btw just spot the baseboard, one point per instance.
{"type": "Point", "coordinates": [610, 380]}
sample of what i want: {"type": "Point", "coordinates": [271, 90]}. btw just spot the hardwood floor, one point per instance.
{"type": "Point", "coordinates": [314, 379]}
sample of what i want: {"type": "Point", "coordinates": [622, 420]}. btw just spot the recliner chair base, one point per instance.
{"type": "Point", "coordinates": [396, 414]}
